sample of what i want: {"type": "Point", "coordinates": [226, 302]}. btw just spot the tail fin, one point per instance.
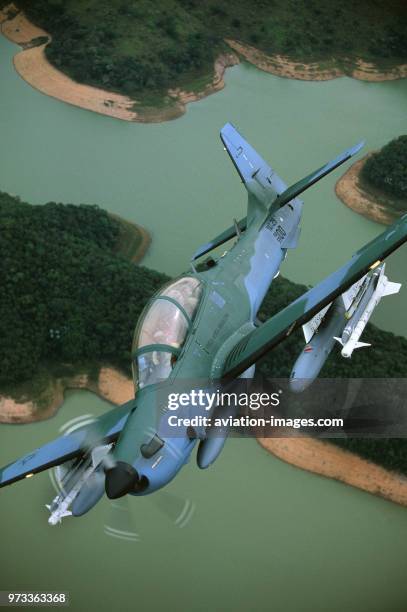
{"type": "Point", "coordinates": [246, 160]}
{"type": "Point", "coordinates": [258, 177]}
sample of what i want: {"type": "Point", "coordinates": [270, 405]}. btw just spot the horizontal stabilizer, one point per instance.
{"type": "Point", "coordinates": [295, 190]}
{"type": "Point", "coordinates": [231, 232]}
{"type": "Point", "coordinates": [338, 340]}
{"type": "Point", "coordinates": [291, 240]}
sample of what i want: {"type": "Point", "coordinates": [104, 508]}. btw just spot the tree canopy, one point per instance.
{"type": "Point", "coordinates": [387, 169]}
{"type": "Point", "coordinates": [67, 294]}
{"type": "Point", "coordinates": [144, 47]}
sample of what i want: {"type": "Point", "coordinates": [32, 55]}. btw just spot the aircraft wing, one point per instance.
{"type": "Point", "coordinates": [256, 343]}
{"type": "Point", "coordinates": [64, 448]}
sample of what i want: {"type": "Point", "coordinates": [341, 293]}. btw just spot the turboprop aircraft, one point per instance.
{"type": "Point", "coordinates": [201, 326]}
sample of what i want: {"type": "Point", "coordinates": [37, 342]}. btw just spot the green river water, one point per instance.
{"type": "Point", "coordinates": [264, 535]}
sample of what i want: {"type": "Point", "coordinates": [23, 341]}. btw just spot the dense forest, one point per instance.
{"type": "Point", "coordinates": [67, 294]}
{"type": "Point", "coordinates": [141, 47]}
{"type": "Point", "coordinates": [387, 170]}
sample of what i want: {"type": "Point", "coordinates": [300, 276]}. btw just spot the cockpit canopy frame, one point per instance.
{"type": "Point", "coordinates": [163, 328]}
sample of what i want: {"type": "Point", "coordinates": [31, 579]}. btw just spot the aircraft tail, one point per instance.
{"type": "Point", "coordinates": [260, 179]}
{"type": "Point", "coordinates": [262, 184]}
{"type": "Point", "coordinates": [267, 191]}
{"type": "Point", "coordinates": [257, 176]}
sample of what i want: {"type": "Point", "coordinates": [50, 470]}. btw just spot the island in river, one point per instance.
{"type": "Point", "coordinates": [376, 186]}
{"type": "Point", "coordinates": [69, 271]}
{"type": "Point", "coordinates": [71, 295]}
{"type": "Point", "coordinates": [138, 63]}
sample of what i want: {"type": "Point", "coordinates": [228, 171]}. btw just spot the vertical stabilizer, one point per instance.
{"type": "Point", "coordinates": [262, 183]}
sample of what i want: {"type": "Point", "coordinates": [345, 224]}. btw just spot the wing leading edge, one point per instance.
{"type": "Point", "coordinates": [67, 447]}
{"type": "Point", "coordinates": [258, 342]}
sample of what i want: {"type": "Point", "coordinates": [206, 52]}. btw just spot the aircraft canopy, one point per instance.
{"type": "Point", "coordinates": [162, 329]}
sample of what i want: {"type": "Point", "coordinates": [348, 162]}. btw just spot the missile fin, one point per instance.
{"type": "Point", "coordinates": [312, 326]}
{"type": "Point", "coordinates": [338, 340]}
{"type": "Point", "coordinates": [391, 288]}
{"type": "Point", "coordinates": [361, 344]}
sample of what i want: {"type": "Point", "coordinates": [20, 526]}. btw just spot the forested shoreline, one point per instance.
{"type": "Point", "coordinates": [386, 171]}
{"type": "Point", "coordinates": [142, 49]}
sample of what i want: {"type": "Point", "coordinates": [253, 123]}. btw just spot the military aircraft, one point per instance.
{"type": "Point", "coordinates": [203, 326]}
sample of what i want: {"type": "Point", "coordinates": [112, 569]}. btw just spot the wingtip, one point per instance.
{"type": "Point", "coordinates": [357, 147]}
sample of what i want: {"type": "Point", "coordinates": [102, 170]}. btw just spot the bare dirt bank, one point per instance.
{"type": "Point", "coordinates": [333, 462]}
{"type": "Point", "coordinates": [145, 243]}
{"type": "Point", "coordinates": [130, 233]}
{"type": "Point", "coordinates": [350, 190]}
{"type": "Point", "coordinates": [111, 385]}
{"type": "Point", "coordinates": [222, 62]}
{"type": "Point", "coordinates": [32, 65]}
{"type": "Point", "coordinates": [285, 67]}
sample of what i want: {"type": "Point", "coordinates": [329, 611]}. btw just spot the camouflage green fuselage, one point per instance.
{"type": "Point", "coordinates": [233, 290]}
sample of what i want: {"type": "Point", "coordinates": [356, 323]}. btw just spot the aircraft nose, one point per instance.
{"type": "Point", "coordinates": [120, 479]}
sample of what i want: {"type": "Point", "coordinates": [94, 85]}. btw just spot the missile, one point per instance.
{"type": "Point", "coordinates": [82, 487]}
{"type": "Point", "coordinates": [378, 286]}
{"type": "Point", "coordinates": [320, 335]}
{"type": "Point", "coordinates": [343, 321]}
